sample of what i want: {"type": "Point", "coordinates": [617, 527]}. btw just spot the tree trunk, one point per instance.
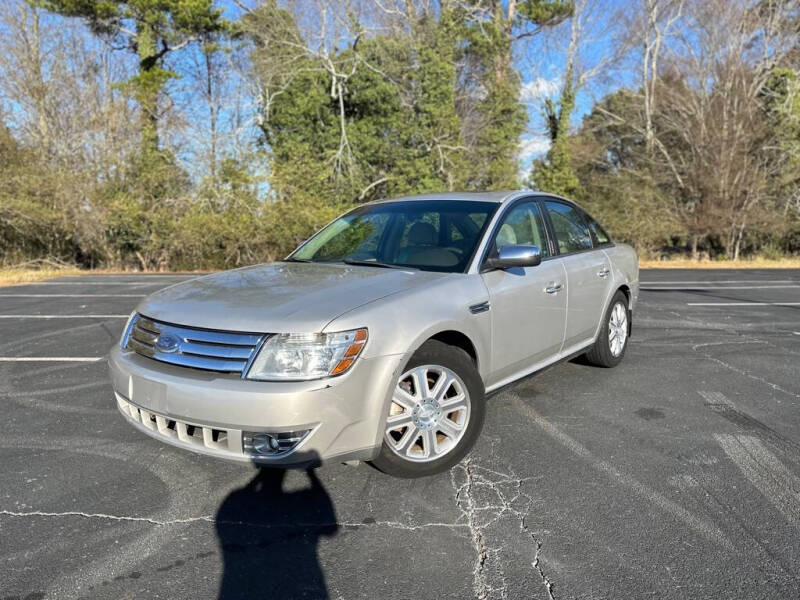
{"type": "Point", "coordinates": [738, 245]}
{"type": "Point", "coordinates": [212, 114]}
{"type": "Point", "coordinates": [148, 88]}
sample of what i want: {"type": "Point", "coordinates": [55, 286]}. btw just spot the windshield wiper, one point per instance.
{"type": "Point", "coordinates": [371, 263]}
{"type": "Point", "coordinates": [292, 259]}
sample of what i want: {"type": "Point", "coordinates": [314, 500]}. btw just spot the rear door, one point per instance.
{"type": "Point", "coordinates": [588, 271]}
{"type": "Point", "coordinates": [528, 305]}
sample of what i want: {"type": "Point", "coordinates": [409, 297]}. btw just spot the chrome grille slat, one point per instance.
{"type": "Point", "coordinates": [205, 349]}
{"type": "Point", "coordinates": [201, 362]}
{"type": "Point", "coordinates": [217, 350]}
{"type": "Point", "coordinates": [143, 336]}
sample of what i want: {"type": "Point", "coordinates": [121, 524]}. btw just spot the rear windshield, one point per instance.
{"type": "Point", "coordinates": [437, 235]}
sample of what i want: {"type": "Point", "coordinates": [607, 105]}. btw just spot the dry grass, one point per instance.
{"type": "Point", "coordinates": [17, 275]}
{"type": "Point", "coordinates": [23, 275]}
{"type": "Point", "coordinates": [752, 263]}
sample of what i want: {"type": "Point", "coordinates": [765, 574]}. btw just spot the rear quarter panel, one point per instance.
{"type": "Point", "coordinates": [625, 267]}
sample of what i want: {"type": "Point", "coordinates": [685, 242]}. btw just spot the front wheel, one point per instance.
{"type": "Point", "coordinates": [612, 341]}
{"type": "Point", "coordinates": [436, 413]}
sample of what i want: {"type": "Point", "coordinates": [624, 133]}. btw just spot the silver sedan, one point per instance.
{"type": "Point", "coordinates": [379, 337]}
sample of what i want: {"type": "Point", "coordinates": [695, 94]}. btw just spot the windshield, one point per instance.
{"type": "Point", "coordinates": [436, 235]}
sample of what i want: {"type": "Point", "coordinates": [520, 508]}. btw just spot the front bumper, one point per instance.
{"type": "Point", "coordinates": [209, 412]}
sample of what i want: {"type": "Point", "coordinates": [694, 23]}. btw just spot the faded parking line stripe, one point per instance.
{"type": "Point", "coordinates": [705, 528]}
{"type": "Point", "coordinates": [702, 287]}
{"type": "Point", "coordinates": [743, 304]}
{"type": "Point", "coordinates": [72, 295]}
{"type": "Point", "coordinates": [762, 281]}
{"type": "Point", "coordinates": [126, 282]}
{"type": "Point", "coordinates": [64, 316]}
{"type": "Point", "coordinates": [762, 468]}
{"type": "Point", "coordinates": [51, 358]}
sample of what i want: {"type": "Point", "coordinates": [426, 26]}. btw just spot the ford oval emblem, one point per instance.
{"type": "Point", "coordinates": [167, 343]}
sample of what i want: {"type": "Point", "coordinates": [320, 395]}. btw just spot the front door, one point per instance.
{"type": "Point", "coordinates": [528, 305]}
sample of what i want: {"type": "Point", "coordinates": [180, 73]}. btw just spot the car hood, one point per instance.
{"type": "Point", "coordinates": [278, 297]}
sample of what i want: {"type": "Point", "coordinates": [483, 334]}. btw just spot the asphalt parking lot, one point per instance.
{"type": "Point", "coordinates": [675, 475]}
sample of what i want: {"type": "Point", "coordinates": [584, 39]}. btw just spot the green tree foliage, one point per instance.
{"type": "Point", "coordinates": [152, 29]}
{"type": "Point", "coordinates": [503, 117]}
{"type": "Point", "coordinates": [346, 102]}
{"type": "Point", "coordinates": [394, 130]}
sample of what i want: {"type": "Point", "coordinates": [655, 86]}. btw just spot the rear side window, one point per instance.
{"type": "Point", "coordinates": [599, 235]}
{"type": "Point", "coordinates": [572, 233]}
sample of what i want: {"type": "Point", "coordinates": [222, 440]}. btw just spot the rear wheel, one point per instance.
{"type": "Point", "coordinates": [436, 414]}
{"type": "Point", "coordinates": [612, 341]}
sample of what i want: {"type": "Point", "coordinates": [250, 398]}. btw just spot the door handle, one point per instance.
{"type": "Point", "coordinates": [554, 288]}
{"type": "Point", "coordinates": [603, 272]}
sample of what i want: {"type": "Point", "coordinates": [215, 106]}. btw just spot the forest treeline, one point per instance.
{"type": "Point", "coordinates": [193, 134]}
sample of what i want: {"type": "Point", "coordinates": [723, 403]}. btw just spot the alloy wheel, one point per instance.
{"type": "Point", "coordinates": [618, 329]}
{"type": "Point", "coordinates": [429, 413]}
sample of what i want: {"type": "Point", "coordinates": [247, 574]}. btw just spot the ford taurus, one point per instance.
{"type": "Point", "coordinates": [379, 338]}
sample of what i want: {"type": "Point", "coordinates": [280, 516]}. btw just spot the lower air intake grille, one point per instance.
{"type": "Point", "coordinates": [196, 348]}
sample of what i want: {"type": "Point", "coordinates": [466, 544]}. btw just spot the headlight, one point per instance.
{"type": "Point", "coordinates": [126, 333]}
{"type": "Point", "coordinates": [293, 356]}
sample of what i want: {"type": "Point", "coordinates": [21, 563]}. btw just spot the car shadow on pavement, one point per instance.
{"type": "Point", "coordinates": [269, 537]}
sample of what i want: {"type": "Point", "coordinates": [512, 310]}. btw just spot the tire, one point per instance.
{"type": "Point", "coordinates": [603, 352]}
{"type": "Point", "coordinates": [427, 437]}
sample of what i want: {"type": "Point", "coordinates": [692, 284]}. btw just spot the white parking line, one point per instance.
{"type": "Point", "coordinates": [701, 286]}
{"type": "Point", "coordinates": [153, 282]}
{"type": "Point", "coordinates": [743, 304]}
{"type": "Point", "coordinates": [72, 295]}
{"type": "Point", "coordinates": [64, 316]}
{"type": "Point", "coordinates": [768, 474]}
{"type": "Point", "coordinates": [51, 358]}
{"type": "Point", "coordinates": [769, 281]}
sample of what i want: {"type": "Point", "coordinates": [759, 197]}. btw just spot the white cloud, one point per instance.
{"type": "Point", "coordinates": [539, 88]}
{"type": "Point", "coordinates": [533, 147]}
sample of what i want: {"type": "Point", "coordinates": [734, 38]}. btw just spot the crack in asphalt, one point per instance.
{"type": "Point", "coordinates": [467, 509]}
{"type": "Point", "coordinates": [488, 576]}
{"type": "Point", "coordinates": [210, 519]}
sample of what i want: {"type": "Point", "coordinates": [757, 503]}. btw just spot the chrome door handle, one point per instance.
{"type": "Point", "coordinates": [553, 289]}
{"type": "Point", "coordinates": [603, 272]}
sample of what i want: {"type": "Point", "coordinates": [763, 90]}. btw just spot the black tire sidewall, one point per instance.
{"type": "Point", "coordinates": [438, 353]}
{"type": "Point", "coordinates": [601, 354]}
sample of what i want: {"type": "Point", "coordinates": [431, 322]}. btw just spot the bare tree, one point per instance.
{"type": "Point", "coordinates": [712, 114]}
{"type": "Point", "coordinates": [59, 84]}
{"type": "Point", "coordinates": [657, 19]}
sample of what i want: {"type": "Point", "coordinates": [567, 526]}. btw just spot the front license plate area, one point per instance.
{"type": "Point", "coordinates": [148, 394]}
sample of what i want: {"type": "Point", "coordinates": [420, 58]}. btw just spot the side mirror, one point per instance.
{"type": "Point", "coordinates": [515, 256]}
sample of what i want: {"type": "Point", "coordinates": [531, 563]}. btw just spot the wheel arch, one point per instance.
{"type": "Point", "coordinates": [453, 334]}
{"type": "Point", "coordinates": [625, 289]}
{"type": "Point", "coordinates": [452, 337]}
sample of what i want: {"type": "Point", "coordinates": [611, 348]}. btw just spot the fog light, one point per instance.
{"type": "Point", "coordinates": [263, 443]}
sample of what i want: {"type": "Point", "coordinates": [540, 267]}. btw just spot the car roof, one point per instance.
{"type": "Point", "coordinates": [498, 196]}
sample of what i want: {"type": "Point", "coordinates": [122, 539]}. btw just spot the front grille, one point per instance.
{"type": "Point", "coordinates": [190, 347]}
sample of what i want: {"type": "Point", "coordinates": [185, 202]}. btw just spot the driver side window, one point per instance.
{"type": "Point", "coordinates": [523, 226]}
